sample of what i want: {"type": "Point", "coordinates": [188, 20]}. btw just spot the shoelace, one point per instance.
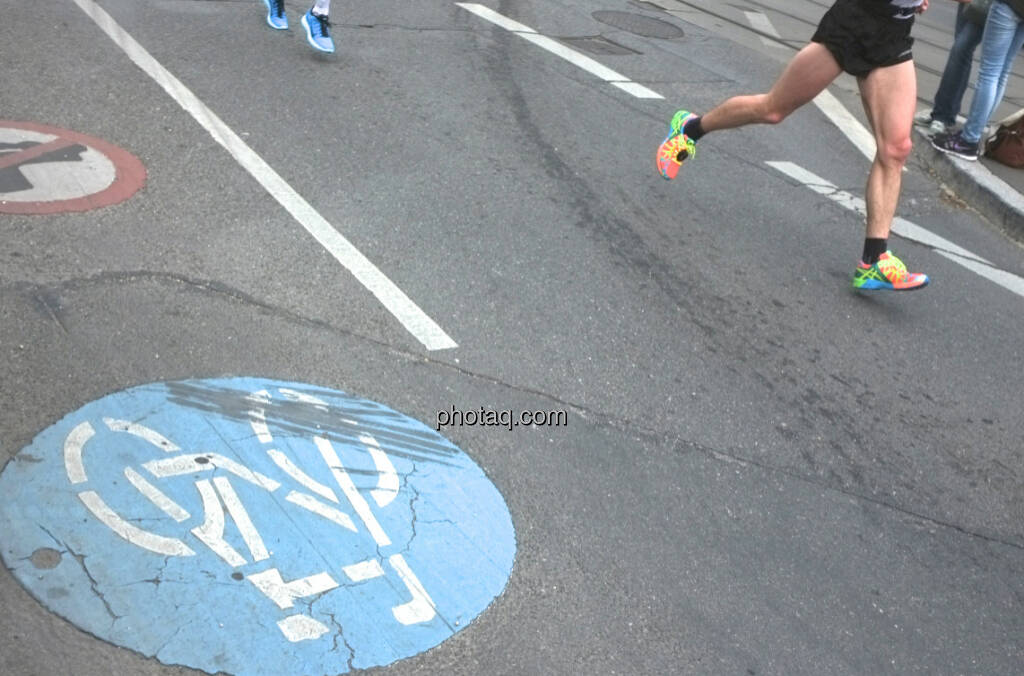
{"type": "Point", "coordinates": [893, 268]}
{"type": "Point", "coordinates": [324, 25]}
{"type": "Point", "coordinates": [277, 7]}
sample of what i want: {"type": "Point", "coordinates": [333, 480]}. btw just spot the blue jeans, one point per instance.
{"type": "Point", "coordinates": [966, 36]}
{"type": "Point", "coordinates": [1004, 35]}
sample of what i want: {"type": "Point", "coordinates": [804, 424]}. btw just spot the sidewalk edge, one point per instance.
{"type": "Point", "coordinates": [975, 184]}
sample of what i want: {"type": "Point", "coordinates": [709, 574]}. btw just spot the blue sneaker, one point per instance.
{"type": "Point", "coordinates": [317, 32]}
{"type": "Point", "coordinates": [275, 14]}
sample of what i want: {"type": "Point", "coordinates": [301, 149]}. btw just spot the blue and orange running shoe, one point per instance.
{"type": "Point", "coordinates": [676, 147]}
{"type": "Point", "coordinates": [889, 273]}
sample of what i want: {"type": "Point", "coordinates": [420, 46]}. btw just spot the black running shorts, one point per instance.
{"type": "Point", "coordinates": [864, 35]}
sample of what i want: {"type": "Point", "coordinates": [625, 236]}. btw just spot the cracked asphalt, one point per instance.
{"type": "Point", "coordinates": [762, 471]}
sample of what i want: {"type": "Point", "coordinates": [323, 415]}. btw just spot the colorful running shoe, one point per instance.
{"type": "Point", "coordinates": [676, 147]}
{"type": "Point", "coordinates": [318, 33]}
{"type": "Point", "coordinates": [275, 14]}
{"type": "Point", "coordinates": [888, 273]}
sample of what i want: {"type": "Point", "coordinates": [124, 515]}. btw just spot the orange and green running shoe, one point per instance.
{"type": "Point", "coordinates": [888, 273]}
{"type": "Point", "coordinates": [676, 147]}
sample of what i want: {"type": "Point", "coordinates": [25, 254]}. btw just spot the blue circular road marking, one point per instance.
{"type": "Point", "coordinates": [253, 526]}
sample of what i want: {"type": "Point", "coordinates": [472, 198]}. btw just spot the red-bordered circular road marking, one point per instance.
{"type": "Point", "coordinates": [129, 172]}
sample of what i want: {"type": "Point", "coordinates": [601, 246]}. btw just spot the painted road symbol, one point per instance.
{"type": "Point", "coordinates": [45, 170]}
{"type": "Point", "coordinates": [254, 527]}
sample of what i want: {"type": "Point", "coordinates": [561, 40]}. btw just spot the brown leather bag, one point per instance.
{"type": "Point", "coordinates": [1007, 144]}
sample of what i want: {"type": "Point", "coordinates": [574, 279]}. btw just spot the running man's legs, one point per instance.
{"type": "Point", "coordinates": [890, 99]}
{"type": "Point", "coordinates": [810, 71]}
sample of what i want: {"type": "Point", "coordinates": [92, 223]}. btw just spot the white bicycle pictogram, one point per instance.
{"type": "Point", "coordinates": [218, 495]}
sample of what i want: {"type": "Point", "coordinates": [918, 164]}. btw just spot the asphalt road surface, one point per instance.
{"type": "Point", "coordinates": [761, 471]}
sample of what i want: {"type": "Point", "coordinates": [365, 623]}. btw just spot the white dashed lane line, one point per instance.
{"type": "Point", "coordinates": [572, 56]}
{"type": "Point", "coordinates": [905, 229]}
{"type": "Point", "coordinates": [416, 322]}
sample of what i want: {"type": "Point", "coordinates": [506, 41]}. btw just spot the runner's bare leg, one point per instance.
{"type": "Point", "coordinates": [890, 99]}
{"type": "Point", "coordinates": [811, 70]}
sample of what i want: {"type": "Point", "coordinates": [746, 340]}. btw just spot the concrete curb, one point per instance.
{"type": "Point", "coordinates": [990, 195]}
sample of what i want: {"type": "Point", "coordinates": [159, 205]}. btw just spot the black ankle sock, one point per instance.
{"type": "Point", "coordinates": [693, 129]}
{"type": "Point", "coordinates": [873, 248]}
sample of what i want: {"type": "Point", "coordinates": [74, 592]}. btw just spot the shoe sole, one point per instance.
{"type": "Point", "coordinates": [657, 159]}
{"type": "Point", "coordinates": [681, 156]}
{"type": "Point", "coordinates": [311, 41]}
{"type": "Point", "coordinates": [875, 285]}
{"type": "Point", "coordinates": [946, 151]}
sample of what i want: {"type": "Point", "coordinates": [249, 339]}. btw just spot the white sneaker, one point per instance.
{"type": "Point", "coordinates": [936, 127]}
{"type": "Point", "coordinates": [924, 118]}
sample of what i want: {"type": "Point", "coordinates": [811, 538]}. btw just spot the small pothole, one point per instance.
{"type": "Point", "coordinates": [45, 558]}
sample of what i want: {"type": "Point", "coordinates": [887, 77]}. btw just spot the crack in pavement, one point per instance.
{"type": "Point", "coordinates": [596, 417]}
{"type": "Point", "coordinates": [114, 617]}
{"type": "Point", "coordinates": [737, 459]}
{"type": "Point", "coordinates": [340, 633]}
{"type": "Point", "coordinates": [412, 508]}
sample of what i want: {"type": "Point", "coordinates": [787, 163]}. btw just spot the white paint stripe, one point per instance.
{"type": "Point", "coordinates": [571, 55]}
{"type": "Point", "coordinates": [760, 22]}
{"type": "Point", "coordinates": [310, 503]}
{"type": "Point", "coordinates": [826, 102]}
{"type": "Point", "coordinates": [295, 395]}
{"type": "Point", "coordinates": [258, 422]}
{"type": "Point", "coordinates": [394, 299]}
{"type": "Point", "coordinates": [285, 463]}
{"type": "Point", "coordinates": [284, 593]}
{"type": "Point", "coordinates": [421, 608]}
{"type": "Point", "coordinates": [301, 628]}
{"type": "Point", "coordinates": [1007, 280]}
{"type": "Point", "coordinates": [236, 509]}
{"type": "Point", "coordinates": [862, 139]}
{"type": "Point", "coordinates": [387, 477]}
{"type": "Point", "coordinates": [638, 90]}
{"type": "Point", "coordinates": [906, 229]}
{"type": "Point", "coordinates": [900, 226]}
{"type": "Point", "coordinates": [156, 496]}
{"type": "Point", "coordinates": [364, 570]}
{"type": "Point", "coordinates": [211, 533]}
{"type": "Point", "coordinates": [575, 58]}
{"type": "Point", "coordinates": [73, 445]}
{"type": "Point", "coordinates": [203, 462]}
{"type": "Point", "coordinates": [362, 508]}
{"type": "Point", "coordinates": [495, 18]}
{"type": "Point", "coordinates": [133, 534]}
{"type": "Point", "coordinates": [142, 432]}
{"type": "Point", "coordinates": [258, 417]}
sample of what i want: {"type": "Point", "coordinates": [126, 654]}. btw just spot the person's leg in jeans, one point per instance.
{"type": "Point", "coordinates": [953, 85]}
{"type": "Point", "coordinates": [1004, 35]}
